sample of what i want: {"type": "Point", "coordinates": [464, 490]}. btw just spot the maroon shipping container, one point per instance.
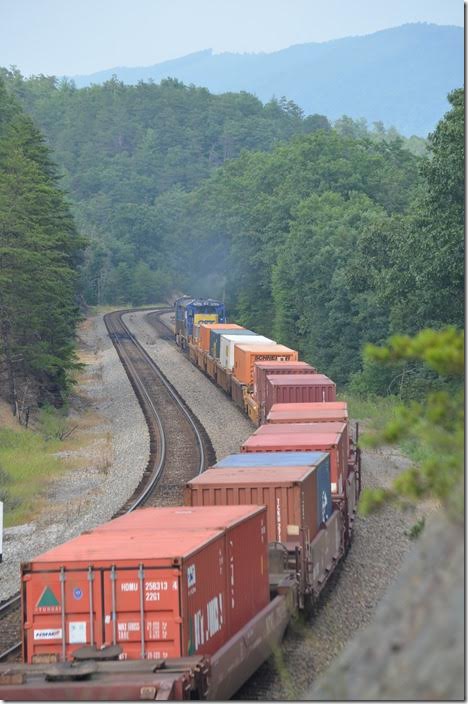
{"type": "Point", "coordinates": [307, 441]}
{"type": "Point", "coordinates": [308, 412]}
{"type": "Point", "coordinates": [159, 583]}
{"type": "Point", "coordinates": [298, 388]}
{"type": "Point", "coordinates": [289, 494]}
{"type": "Point", "coordinates": [262, 369]}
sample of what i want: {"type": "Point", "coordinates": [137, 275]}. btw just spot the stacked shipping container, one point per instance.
{"type": "Point", "coordinates": [230, 343]}
{"type": "Point", "coordinates": [157, 582]}
{"type": "Point", "coordinates": [320, 460]}
{"type": "Point", "coordinates": [245, 358]}
{"type": "Point", "coordinates": [291, 496]}
{"type": "Point", "coordinates": [304, 437]}
{"type": "Point", "coordinates": [293, 388]}
{"type": "Point", "coordinates": [308, 412]}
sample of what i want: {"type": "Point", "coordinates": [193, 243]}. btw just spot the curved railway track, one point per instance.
{"type": "Point", "coordinates": [179, 448]}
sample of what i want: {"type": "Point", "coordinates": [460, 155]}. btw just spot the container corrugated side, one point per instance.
{"type": "Point", "coordinates": [289, 494]}
{"type": "Point", "coordinates": [334, 443]}
{"type": "Point", "coordinates": [215, 337]}
{"type": "Point", "coordinates": [321, 460]}
{"type": "Point", "coordinates": [319, 428]}
{"type": "Point", "coordinates": [294, 388]}
{"type": "Point", "coordinates": [245, 359]}
{"type": "Point", "coordinates": [308, 412]}
{"type": "Point", "coordinates": [334, 426]}
{"type": "Point", "coordinates": [155, 592]}
{"type": "Point", "coordinates": [265, 459]}
{"type": "Point", "coordinates": [216, 343]}
{"type": "Point", "coordinates": [262, 369]}
{"type": "Point", "coordinates": [314, 405]}
{"type": "Point", "coordinates": [230, 342]}
{"type": "Point", "coordinates": [205, 331]}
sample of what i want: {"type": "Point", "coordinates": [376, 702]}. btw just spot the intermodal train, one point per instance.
{"type": "Point", "coordinates": [187, 602]}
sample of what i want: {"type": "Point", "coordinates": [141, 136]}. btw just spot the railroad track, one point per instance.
{"type": "Point", "coordinates": [179, 449]}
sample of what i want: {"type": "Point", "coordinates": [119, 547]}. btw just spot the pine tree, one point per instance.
{"type": "Point", "coordinates": [39, 252]}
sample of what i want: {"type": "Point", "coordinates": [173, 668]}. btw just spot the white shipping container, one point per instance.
{"type": "Point", "coordinates": [228, 342]}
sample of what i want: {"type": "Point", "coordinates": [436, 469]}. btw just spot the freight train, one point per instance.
{"type": "Point", "coordinates": [187, 602]}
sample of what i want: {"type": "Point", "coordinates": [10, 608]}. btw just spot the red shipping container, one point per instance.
{"type": "Point", "coordinates": [321, 427]}
{"type": "Point", "coordinates": [335, 405]}
{"type": "Point", "coordinates": [289, 494]}
{"type": "Point", "coordinates": [308, 441]}
{"type": "Point", "coordinates": [308, 412]}
{"type": "Point", "coordinates": [298, 388]}
{"type": "Point", "coordinates": [157, 582]}
{"type": "Point", "coordinates": [262, 369]}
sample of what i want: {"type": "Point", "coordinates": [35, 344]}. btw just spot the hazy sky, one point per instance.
{"type": "Point", "coordinates": [81, 36]}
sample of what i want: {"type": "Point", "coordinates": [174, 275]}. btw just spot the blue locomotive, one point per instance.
{"type": "Point", "coordinates": [190, 312]}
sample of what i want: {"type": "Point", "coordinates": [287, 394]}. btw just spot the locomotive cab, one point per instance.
{"type": "Point", "coordinates": [190, 312]}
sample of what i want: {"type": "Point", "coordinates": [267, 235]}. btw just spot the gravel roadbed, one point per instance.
{"type": "Point", "coordinates": [83, 498]}
{"type": "Point", "coordinates": [226, 425]}
{"type": "Point", "coordinates": [348, 604]}
{"type": "Point", "coordinates": [373, 562]}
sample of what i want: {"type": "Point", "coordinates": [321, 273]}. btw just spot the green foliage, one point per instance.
{"type": "Point", "coordinates": [121, 148]}
{"type": "Point", "coordinates": [434, 426]}
{"type": "Point", "coordinates": [416, 529]}
{"type": "Point", "coordinates": [325, 237]}
{"type": "Point", "coordinates": [39, 252]}
{"type": "Point", "coordinates": [52, 423]}
{"type": "Point", "coordinates": [131, 154]}
{"type": "Point", "coordinates": [281, 233]}
{"type": "Point", "coordinates": [27, 461]}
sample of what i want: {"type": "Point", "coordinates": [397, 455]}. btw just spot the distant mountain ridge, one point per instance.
{"type": "Point", "coordinates": [400, 76]}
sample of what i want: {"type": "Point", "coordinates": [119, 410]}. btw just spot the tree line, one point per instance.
{"type": "Point", "coordinates": [121, 148]}
{"type": "Point", "coordinates": [324, 236]}
{"type": "Point", "coordinates": [329, 242]}
{"type": "Point", "coordinates": [39, 255]}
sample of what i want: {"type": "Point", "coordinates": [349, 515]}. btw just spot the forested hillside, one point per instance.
{"type": "Point", "coordinates": [329, 236]}
{"type": "Point", "coordinates": [400, 76]}
{"type": "Point", "coordinates": [330, 241]}
{"type": "Point", "coordinates": [120, 147]}
{"type": "Point", "coordinates": [39, 253]}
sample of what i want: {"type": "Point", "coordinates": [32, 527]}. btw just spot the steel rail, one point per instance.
{"type": "Point", "coordinates": [173, 393]}
{"type": "Point", "coordinates": [143, 398]}
{"type": "Point", "coordinates": [133, 375]}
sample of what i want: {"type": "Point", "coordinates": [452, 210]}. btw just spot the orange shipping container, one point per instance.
{"type": "Point", "coordinates": [204, 337]}
{"type": "Point", "coordinates": [289, 494]}
{"type": "Point", "coordinates": [158, 582]}
{"type": "Point", "coordinates": [246, 356]}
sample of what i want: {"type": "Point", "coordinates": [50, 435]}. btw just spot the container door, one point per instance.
{"type": "Point", "coordinates": [62, 612]}
{"type": "Point", "coordinates": [142, 612]}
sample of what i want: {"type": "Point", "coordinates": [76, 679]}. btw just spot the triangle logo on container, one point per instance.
{"type": "Point", "coordinates": [48, 602]}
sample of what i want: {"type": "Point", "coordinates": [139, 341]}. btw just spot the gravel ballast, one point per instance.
{"type": "Point", "coordinates": [82, 498]}
{"type": "Point", "coordinates": [373, 562]}
{"type": "Point", "coordinates": [349, 602]}
{"type": "Point", "coordinates": [226, 425]}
